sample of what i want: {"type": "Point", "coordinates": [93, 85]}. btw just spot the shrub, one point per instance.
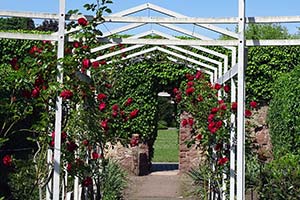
{"type": "Point", "coordinates": [162, 125]}
{"type": "Point", "coordinates": [284, 112]}
{"type": "Point", "coordinates": [281, 178]}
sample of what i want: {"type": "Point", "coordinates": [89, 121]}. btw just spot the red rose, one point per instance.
{"type": "Point", "coordinates": [184, 122]}
{"type": "Point", "coordinates": [223, 107]}
{"type": "Point", "coordinates": [101, 96]}
{"type": "Point", "coordinates": [211, 125]}
{"type": "Point", "coordinates": [85, 142]}
{"type": "Point", "coordinates": [66, 94]}
{"type": "Point", "coordinates": [95, 64]}
{"type": "Point", "coordinates": [189, 91]}
{"type": "Point", "coordinates": [26, 94]}
{"type": "Point", "coordinates": [234, 106]}
{"type": "Point", "coordinates": [86, 63]}
{"type": "Point", "coordinates": [88, 181]}
{"type": "Point", "coordinates": [213, 130]}
{"type": "Point", "coordinates": [219, 124]}
{"type": "Point", "coordinates": [39, 81]}
{"type": "Point", "coordinates": [108, 85]}
{"type": "Point", "coordinates": [198, 75]}
{"type": "Point", "coordinates": [226, 88]}
{"type": "Point", "coordinates": [191, 121]}
{"type": "Point", "coordinates": [7, 160]}
{"type": "Point", "coordinates": [71, 146]}
{"type": "Point", "coordinates": [69, 167]}
{"type": "Point", "coordinates": [134, 142]}
{"type": "Point", "coordinates": [104, 124]}
{"type": "Point", "coordinates": [63, 136]}
{"type": "Point", "coordinates": [253, 104]}
{"type": "Point", "coordinates": [175, 91]}
{"type": "Point", "coordinates": [217, 86]}
{"type": "Point", "coordinates": [85, 47]}
{"type": "Point", "coordinates": [35, 93]}
{"type": "Point", "coordinates": [221, 101]}
{"type": "Point", "coordinates": [115, 107]}
{"type": "Point", "coordinates": [114, 114]}
{"type": "Point", "coordinates": [128, 102]}
{"type": "Point", "coordinates": [103, 62]}
{"type": "Point", "coordinates": [82, 21]}
{"type": "Point", "coordinates": [76, 44]}
{"type": "Point", "coordinates": [190, 84]}
{"type": "Point", "coordinates": [133, 114]}
{"type": "Point", "coordinates": [214, 110]}
{"type": "Point", "coordinates": [223, 161]}
{"type": "Point", "coordinates": [218, 147]}
{"type": "Point", "coordinates": [248, 113]}
{"type": "Point", "coordinates": [189, 77]}
{"type": "Point", "coordinates": [199, 137]}
{"type": "Point", "coordinates": [95, 156]}
{"type": "Point", "coordinates": [199, 98]}
{"type": "Point", "coordinates": [34, 50]}
{"type": "Point", "coordinates": [14, 63]}
{"type": "Point", "coordinates": [210, 117]}
{"type": "Point", "coordinates": [178, 98]}
{"type": "Point", "coordinates": [102, 106]}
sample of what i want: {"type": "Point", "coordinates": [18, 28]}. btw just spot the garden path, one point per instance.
{"type": "Point", "coordinates": [163, 183]}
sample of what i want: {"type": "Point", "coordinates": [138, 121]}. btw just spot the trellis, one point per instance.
{"type": "Point", "coordinates": [218, 71]}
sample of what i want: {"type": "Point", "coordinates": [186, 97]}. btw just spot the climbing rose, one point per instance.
{"type": "Point", "coordinates": [223, 107]}
{"type": "Point", "coordinates": [189, 91]}
{"type": "Point", "coordinates": [34, 50]}
{"type": "Point", "coordinates": [86, 63]}
{"type": "Point", "coordinates": [88, 181]}
{"type": "Point", "coordinates": [219, 124]}
{"type": "Point", "coordinates": [95, 64]}
{"type": "Point", "coordinates": [14, 63]}
{"type": "Point", "coordinates": [39, 81]}
{"type": "Point", "coordinates": [176, 91]}
{"type": "Point", "coordinates": [104, 124]}
{"type": "Point", "coordinates": [101, 96]}
{"type": "Point", "coordinates": [76, 44]}
{"type": "Point", "coordinates": [71, 146]}
{"type": "Point", "coordinates": [178, 98]}
{"type": "Point", "coordinates": [66, 94]}
{"type": "Point", "coordinates": [253, 104]}
{"type": "Point", "coordinates": [190, 84]}
{"type": "Point", "coordinates": [115, 107]}
{"type": "Point", "coordinates": [184, 122]}
{"type": "Point", "coordinates": [133, 113]}
{"type": "Point", "coordinates": [63, 136]}
{"type": "Point", "coordinates": [95, 155]}
{"type": "Point", "coordinates": [198, 75]}
{"type": "Point", "coordinates": [129, 101]}
{"type": "Point", "coordinates": [7, 160]}
{"type": "Point", "coordinates": [223, 161]}
{"type": "Point", "coordinates": [85, 142]}
{"type": "Point", "coordinates": [211, 125]}
{"type": "Point", "coordinates": [221, 101]}
{"type": "Point", "coordinates": [189, 77]}
{"type": "Point", "coordinates": [102, 106]}
{"type": "Point", "coordinates": [218, 147]}
{"type": "Point", "coordinates": [210, 117]}
{"type": "Point", "coordinates": [191, 121]}
{"type": "Point", "coordinates": [114, 114]}
{"type": "Point", "coordinates": [214, 110]}
{"type": "Point", "coordinates": [199, 137]}
{"type": "Point", "coordinates": [82, 21]}
{"type": "Point", "coordinates": [103, 62]}
{"type": "Point", "coordinates": [69, 167]}
{"type": "Point", "coordinates": [226, 88]}
{"type": "Point", "coordinates": [234, 106]}
{"type": "Point", "coordinates": [134, 142]}
{"type": "Point", "coordinates": [35, 92]}
{"type": "Point", "coordinates": [200, 98]}
{"type": "Point", "coordinates": [248, 113]}
{"type": "Point", "coordinates": [217, 86]}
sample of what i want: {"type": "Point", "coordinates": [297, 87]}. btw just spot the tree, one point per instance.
{"type": "Point", "coordinates": [16, 23]}
{"type": "Point", "coordinates": [266, 31]}
{"type": "Point", "coordinates": [48, 25]}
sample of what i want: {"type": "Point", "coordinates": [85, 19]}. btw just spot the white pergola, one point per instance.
{"type": "Point", "coordinates": [218, 69]}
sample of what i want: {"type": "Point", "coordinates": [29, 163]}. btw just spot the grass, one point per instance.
{"type": "Point", "coordinates": [166, 146]}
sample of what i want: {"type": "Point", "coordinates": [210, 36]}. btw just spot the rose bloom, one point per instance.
{"type": "Point", "coordinates": [190, 84]}
{"type": "Point", "coordinates": [82, 21]}
{"type": "Point", "coordinates": [178, 98]}
{"type": "Point", "coordinates": [104, 124]}
{"type": "Point", "coordinates": [85, 142]}
{"type": "Point", "coordinates": [189, 77]}
{"type": "Point", "coordinates": [191, 121]}
{"type": "Point", "coordinates": [210, 117]}
{"type": "Point", "coordinates": [88, 181]}
{"type": "Point", "coordinates": [95, 64]}
{"type": "Point", "coordinates": [234, 106]}
{"type": "Point", "coordinates": [175, 90]}
{"type": "Point", "coordinates": [101, 96]}
{"type": "Point", "coordinates": [133, 113]}
{"type": "Point", "coordinates": [114, 114]}
{"type": "Point", "coordinates": [71, 146]}
{"type": "Point", "coordinates": [211, 125]}
{"type": "Point", "coordinates": [7, 160]}
{"type": "Point", "coordinates": [76, 44]}
{"type": "Point", "coordinates": [14, 63]}
{"type": "Point", "coordinates": [248, 113]}
{"type": "Point", "coordinates": [95, 156]}
{"type": "Point", "coordinates": [86, 63]}
{"type": "Point", "coordinates": [217, 86]}
{"type": "Point", "coordinates": [63, 136]}
{"type": "Point", "coordinates": [223, 161]}
{"type": "Point", "coordinates": [214, 110]}
{"type": "Point", "coordinates": [129, 101]}
{"type": "Point", "coordinates": [223, 107]}
{"type": "Point", "coordinates": [115, 107]}
{"type": "Point", "coordinates": [184, 122]}
{"type": "Point", "coordinates": [226, 88]}
{"type": "Point", "coordinates": [189, 91]}
{"type": "Point", "coordinates": [198, 75]}
{"type": "Point", "coordinates": [199, 137]}
{"type": "Point", "coordinates": [253, 104]}
{"type": "Point", "coordinates": [219, 124]}
{"type": "Point", "coordinates": [69, 167]}
{"type": "Point", "coordinates": [103, 62]}
{"type": "Point", "coordinates": [199, 98]}
{"type": "Point", "coordinates": [102, 106]}
{"type": "Point", "coordinates": [35, 93]}
{"type": "Point", "coordinates": [66, 94]}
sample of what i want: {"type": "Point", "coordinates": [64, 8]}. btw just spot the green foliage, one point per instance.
{"type": "Point", "coordinates": [284, 112]}
{"type": "Point", "coordinates": [265, 65]}
{"type": "Point", "coordinates": [280, 179]}
{"type": "Point", "coordinates": [162, 125]}
{"type": "Point", "coordinates": [166, 111]}
{"type": "Point", "coordinates": [113, 181]}
{"type": "Point", "coordinates": [15, 23]}
{"type": "Point", "coordinates": [266, 31]}
{"type": "Point", "coordinates": [166, 147]}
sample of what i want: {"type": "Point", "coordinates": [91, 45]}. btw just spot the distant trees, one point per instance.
{"type": "Point", "coordinates": [266, 31]}
{"type": "Point", "coordinates": [16, 23]}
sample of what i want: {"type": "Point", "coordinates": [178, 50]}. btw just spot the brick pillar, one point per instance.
{"type": "Point", "coordinates": [188, 157]}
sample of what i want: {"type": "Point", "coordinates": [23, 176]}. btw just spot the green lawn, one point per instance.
{"type": "Point", "coordinates": [166, 146]}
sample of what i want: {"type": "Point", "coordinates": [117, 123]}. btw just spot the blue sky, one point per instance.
{"type": "Point", "coordinates": [193, 8]}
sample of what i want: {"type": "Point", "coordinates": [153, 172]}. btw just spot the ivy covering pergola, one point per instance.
{"type": "Point", "coordinates": [218, 71]}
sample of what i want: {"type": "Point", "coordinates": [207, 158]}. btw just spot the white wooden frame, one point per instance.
{"type": "Point", "coordinates": [175, 18]}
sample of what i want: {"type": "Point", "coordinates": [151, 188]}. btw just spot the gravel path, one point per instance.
{"type": "Point", "coordinates": [163, 183]}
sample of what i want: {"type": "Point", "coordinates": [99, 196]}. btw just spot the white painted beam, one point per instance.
{"type": "Point", "coordinates": [228, 75]}
{"type": "Point", "coordinates": [28, 36]}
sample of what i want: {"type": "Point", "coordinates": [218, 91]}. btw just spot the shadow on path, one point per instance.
{"type": "Point", "coordinates": [162, 166]}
